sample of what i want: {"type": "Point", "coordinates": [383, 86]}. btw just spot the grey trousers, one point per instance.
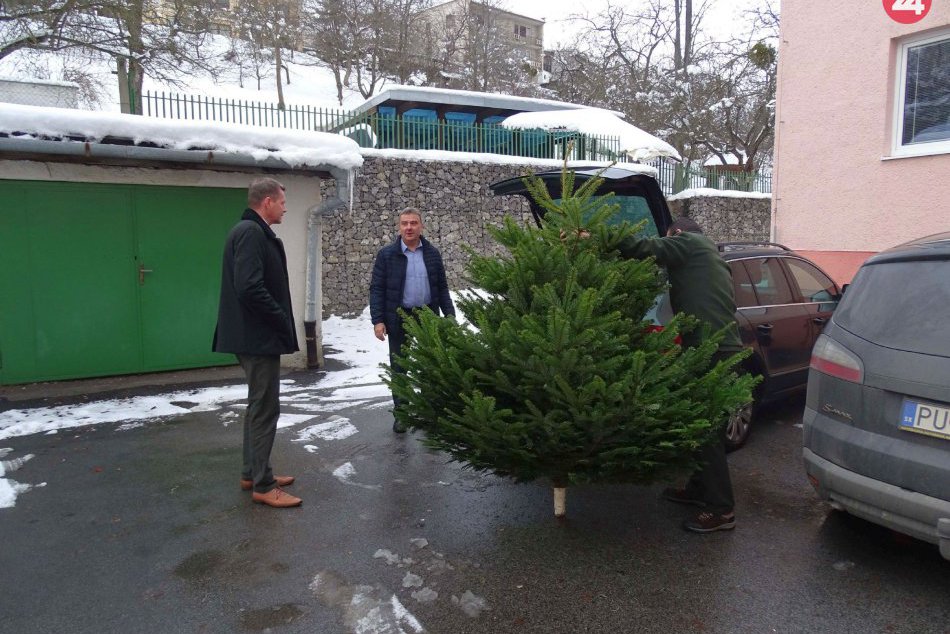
{"type": "Point", "coordinates": [712, 483]}
{"type": "Point", "coordinates": [260, 420]}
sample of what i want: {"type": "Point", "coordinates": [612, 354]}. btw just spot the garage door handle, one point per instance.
{"type": "Point", "coordinates": [142, 272]}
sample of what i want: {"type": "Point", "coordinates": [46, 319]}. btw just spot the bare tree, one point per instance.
{"type": "Point", "coordinates": [330, 33]}
{"type": "Point", "coordinates": [477, 52]}
{"type": "Point", "coordinates": [142, 36]}
{"type": "Point", "coordinates": [366, 43]}
{"type": "Point", "coordinates": [657, 65]}
{"type": "Point", "coordinates": [269, 27]}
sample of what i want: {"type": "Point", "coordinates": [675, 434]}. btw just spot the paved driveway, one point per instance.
{"type": "Point", "coordinates": [142, 528]}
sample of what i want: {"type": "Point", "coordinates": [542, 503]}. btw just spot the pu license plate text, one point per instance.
{"type": "Point", "coordinates": [926, 418]}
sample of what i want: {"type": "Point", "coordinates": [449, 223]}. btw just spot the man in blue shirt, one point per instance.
{"type": "Point", "coordinates": [407, 274]}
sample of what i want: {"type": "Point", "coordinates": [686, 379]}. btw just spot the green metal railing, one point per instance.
{"type": "Point", "coordinates": [674, 177]}
{"type": "Point", "coordinates": [384, 131]}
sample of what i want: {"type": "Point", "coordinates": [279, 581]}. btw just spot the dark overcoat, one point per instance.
{"type": "Point", "coordinates": [254, 314]}
{"type": "Point", "coordinates": [389, 281]}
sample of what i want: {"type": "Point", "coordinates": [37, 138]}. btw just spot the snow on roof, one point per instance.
{"type": "Point", "coordinates": [295, 147]}
{"type": "Point", "coordinates": [639, 145]}
{"type": "Point", "coordinates": [499, 159]}
{"type": "Point", "coordinates": [428, 94]}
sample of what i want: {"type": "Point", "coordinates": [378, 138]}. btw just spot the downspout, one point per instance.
{"type": "Point", "coordinates": [311, 325]}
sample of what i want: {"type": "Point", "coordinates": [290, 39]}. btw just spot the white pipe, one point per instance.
{"type": "Point", "coordinates": [312, 324]}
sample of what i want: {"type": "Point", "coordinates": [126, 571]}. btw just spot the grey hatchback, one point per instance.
{"type": "Point", "coordinates": [877, 409]}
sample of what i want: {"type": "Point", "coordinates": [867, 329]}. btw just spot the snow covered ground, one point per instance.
{"type": "Point", "coordinates": [310, 84]}
{"type": "Point", "coordinates": [349, 341]}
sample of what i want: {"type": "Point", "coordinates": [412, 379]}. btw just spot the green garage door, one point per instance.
{"type": "Point", "coordinates": [109, 279]}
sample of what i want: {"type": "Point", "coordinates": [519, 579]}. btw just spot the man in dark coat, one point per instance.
{"type": "Point", "coordinates": [407, 274]}
{"type": "Point", "coordinates": [256, 322]}
{"type": "Point", "coordinates": [701, 286]}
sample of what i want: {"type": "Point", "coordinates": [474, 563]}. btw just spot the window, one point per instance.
{"type": "Point", "coordinates": [768, 282]}
{"type": "Point", "coordinates": [922, 115]}
{"type": "Point", "coordinates": [521, 31]}
{"type": "Point", "coordinates": [814, 285]}
{"type": "Point", "coordinates": [745, 295]}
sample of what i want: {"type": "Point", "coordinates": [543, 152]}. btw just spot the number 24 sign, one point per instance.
{"type": "Point", "coordinates": [907, 11]}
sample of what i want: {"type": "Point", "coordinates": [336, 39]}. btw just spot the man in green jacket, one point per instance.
{"type": "Point", "coordinates": [701, 286]}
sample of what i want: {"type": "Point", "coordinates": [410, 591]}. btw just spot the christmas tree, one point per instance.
{"type": "Point", "coordinates": [558, 375]}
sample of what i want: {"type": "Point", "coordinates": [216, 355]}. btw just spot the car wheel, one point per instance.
{"type": "Point", "coordinates": [738, 427]}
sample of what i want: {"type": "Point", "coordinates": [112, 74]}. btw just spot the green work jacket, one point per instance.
{"type": "Point", "coordinates": [700, 281]}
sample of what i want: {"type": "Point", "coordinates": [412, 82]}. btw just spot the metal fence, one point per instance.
{"type": "Point", "coordinates": [406, 132]}
{"type": "Point", "coordinates": [674, 177]}
{"type": "Point", "coordinates": [387, 131]}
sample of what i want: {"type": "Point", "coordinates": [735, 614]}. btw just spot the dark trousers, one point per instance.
{"type": "Point", "coordinates": [711, 483]}
{"type": "Point", "coordinates": [260, 420]}
{"type": "Point", "coordinates": [397, 337]}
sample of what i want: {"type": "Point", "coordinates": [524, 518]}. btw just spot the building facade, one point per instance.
{"type": "Point", "coordinates": [862, 144]}
{"type": "Point", "coordinates": [456, 21]}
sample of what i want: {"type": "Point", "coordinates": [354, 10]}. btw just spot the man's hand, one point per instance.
{"type": "Point", "coordinates": [579, 232]}
{"type": "Point", "coordinates": [380, 331]}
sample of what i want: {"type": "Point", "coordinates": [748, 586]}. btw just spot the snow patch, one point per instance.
{"type": "Point", "coordinates": [425, 595]}
{"type": "Point", "coordinates": [9, 490]}
{"type": "Point", "coordinates": [6, 466]}
{"type": "Point", "coordinates": [412, 581]}
{"type": "Point", "coordinates": [337, 428]}
{"type": "Point", "coordinates": [718, 193]}
{"type": "Point", "coordinates": [345, 472]}
{"type": "Point", "coordinates": [291, 420]}
{"type": "Point", "coordinates": [471, 604]}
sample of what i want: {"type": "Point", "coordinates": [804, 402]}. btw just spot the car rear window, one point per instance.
{"type": "Point", "coordinates": [900, 305]}
{"type": "Point", "coordinates": [633, 209]}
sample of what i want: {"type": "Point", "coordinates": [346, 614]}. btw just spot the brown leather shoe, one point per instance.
{"type": "Point", "coordinates": [276, 498]}
{"type": "Point", "coordinates": [282, 481]}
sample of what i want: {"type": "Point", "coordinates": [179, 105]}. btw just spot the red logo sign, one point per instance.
{"type": "Point", "coordinates": [907, 11]}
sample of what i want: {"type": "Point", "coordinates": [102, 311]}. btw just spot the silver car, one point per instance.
{"type": "Point", "coordinates": [877, 411]}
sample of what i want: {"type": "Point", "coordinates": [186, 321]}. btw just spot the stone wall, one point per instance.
{"type": "Point", "coordinates": [457, 206]}
{"type": "Point", "coordinates": [727, 218]}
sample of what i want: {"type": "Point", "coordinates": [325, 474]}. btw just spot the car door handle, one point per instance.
{"type": "Point", "coordinates": [764, 328]}
{"type": "Point", "coordinates": [820, 320]}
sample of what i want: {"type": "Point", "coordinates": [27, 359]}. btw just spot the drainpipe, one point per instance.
{"type": "Point", "coordinates": [312, 314]}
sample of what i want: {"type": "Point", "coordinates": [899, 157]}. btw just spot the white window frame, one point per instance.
{"type": "Point", "coordinates": [898, 149]}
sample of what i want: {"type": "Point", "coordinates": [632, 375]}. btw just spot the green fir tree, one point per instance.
{"type": "Point", "coordinates": [557, 375]}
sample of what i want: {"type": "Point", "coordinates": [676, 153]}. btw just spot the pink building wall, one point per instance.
{"type": "Point", "coordinates": [839, 195]}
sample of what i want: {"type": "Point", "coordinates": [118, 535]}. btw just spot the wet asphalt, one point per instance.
{"type": "Point", "coordinates": [146, 530]}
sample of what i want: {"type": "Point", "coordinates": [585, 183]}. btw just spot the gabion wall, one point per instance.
{"type": "Point", "coordinates": [728, 219]}
{"type": "Point", "coordinates": [456, 207]}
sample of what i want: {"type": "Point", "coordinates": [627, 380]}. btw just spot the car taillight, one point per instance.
{"type": "Point", "coordinates": [678, 340]}
{"type": "Point", "coordinates": [831, 358]}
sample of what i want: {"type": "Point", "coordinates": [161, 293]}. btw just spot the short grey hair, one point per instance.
{"type": "Point", "coordinates": [261, 188]}
{"type": "Point", "coordinates": [410, 211]}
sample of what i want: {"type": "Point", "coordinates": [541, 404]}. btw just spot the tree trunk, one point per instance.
{"type": "Point", "coordinates": [677, 38]}
{"type": "Point", "coordinates": [280, 85]}
{"type": "Point", "coordinates": [136, 50]}
{"type": "Point", "coordinates": [688, 35]}
{"type": "Point", "coordinates": [560, 501]}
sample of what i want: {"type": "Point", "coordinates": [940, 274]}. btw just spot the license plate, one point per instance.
{"type": "Point", "coordinates": [926, 418]}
